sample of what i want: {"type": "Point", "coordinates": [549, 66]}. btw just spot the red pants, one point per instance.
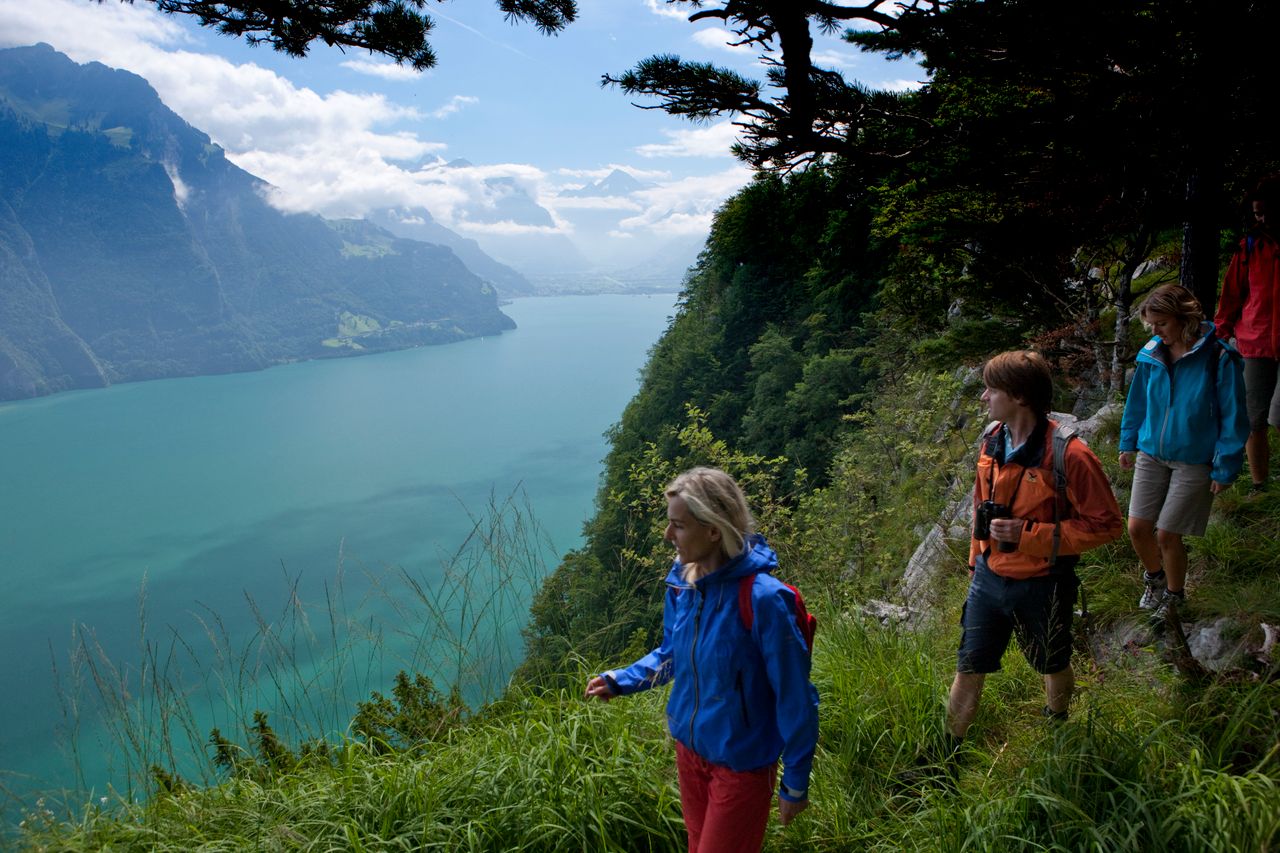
{"type": "Point", "coordinates": [724, 811]}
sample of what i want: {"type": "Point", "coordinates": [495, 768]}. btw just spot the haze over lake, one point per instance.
{"type": "Point", "coordinates": [214, 488]}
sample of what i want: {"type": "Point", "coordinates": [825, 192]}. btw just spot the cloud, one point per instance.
{"type": "Point", "coordinates": [710, 141]}
{"type": "Point", "coordinates": [835, 59]}
{"type": "Point", "coordinates": [684, 206]}
{"type": "Point", "coordinates": [381, 70]}
{"type": "Point", "coordinates": [592, 203]}
{"type": "Point", "coordinates": [343, 154]}
{"type": "Point", "coordinates": [667, 10]}
{"type": "Point", "coordinates": [901, 85]}
{"type": "Point", "coordinates": [605, 171]}
{"type": "Point", "coordinates": [456, 103]}
{"type": "Point", "coordinates": [722, 39]}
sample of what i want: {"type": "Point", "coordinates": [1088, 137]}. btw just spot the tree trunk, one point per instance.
{"type": "Point", "coordinates": [1199, 269]}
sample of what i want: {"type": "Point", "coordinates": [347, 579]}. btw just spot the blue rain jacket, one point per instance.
{"type": "Point", "coordinates": [739, 699]}
{"type": "Point", "coordinates": [1169, 413]}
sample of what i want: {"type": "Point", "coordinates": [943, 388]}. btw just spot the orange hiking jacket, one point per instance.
{"type": "Point", "coordinates": [1092, 517]}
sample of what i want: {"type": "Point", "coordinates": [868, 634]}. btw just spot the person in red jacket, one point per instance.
{"type": "Point", "coordinates": [1249, 311]}
{"type": "Point", "coordinates": [1023, 582]}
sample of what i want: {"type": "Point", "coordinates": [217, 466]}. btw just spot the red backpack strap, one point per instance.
{"type": "Point", "coordinates": [746, 611]}
{"type": "Point", "coordinates": [805, 621]}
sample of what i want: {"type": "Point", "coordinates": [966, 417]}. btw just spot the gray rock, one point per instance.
{"type": "Point", "coordinates": [1212, 645]}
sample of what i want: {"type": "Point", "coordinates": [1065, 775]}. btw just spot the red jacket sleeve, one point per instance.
{"type": "Point", "coordinates": [1235, 289]}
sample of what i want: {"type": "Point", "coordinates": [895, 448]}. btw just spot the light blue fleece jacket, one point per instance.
{"type": "Point", "coordinates": [1174, 414]}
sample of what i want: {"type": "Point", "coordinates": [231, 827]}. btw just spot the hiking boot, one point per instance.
{"type": "Point", "coordinates": [1153, 590]}
{"type": "Point", "coordinates": [1167, 601]}
{"type": "Point", "coordinates": [1054, 716]}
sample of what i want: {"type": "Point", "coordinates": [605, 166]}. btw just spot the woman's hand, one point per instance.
{"type": "Point", "coordinates": [598, 688]}
{"type": "Point", "coordinates": [787, 810]}
{"type": "Point", "coordinates": [1126, 460]}
{"type": "Point", "coordinates": [1215, 487]}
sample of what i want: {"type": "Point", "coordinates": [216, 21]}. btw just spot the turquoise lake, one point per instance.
{"type": "Point", "coordinates": [275, 516]}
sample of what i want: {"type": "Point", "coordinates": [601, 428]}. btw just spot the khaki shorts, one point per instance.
{"type": "Point", "coordinates": [1261, 393]}
{"type": "Point", "coordinates": [1175, 495]}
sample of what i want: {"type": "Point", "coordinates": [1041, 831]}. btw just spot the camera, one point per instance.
{"type": "Point", "coordinates": [986, 511]}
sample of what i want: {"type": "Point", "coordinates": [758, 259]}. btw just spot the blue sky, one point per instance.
{"type": "Point", "coordinates": [344, 133]}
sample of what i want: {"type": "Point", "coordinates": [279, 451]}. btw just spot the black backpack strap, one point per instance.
{"type": "Point", "coordinates": [1062, 436]}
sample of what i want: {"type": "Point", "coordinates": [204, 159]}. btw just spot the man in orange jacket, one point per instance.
{"type": "Point", "coordinates": [1023, 582]}
{"type": "Point", "coordinates": [1249, 311]}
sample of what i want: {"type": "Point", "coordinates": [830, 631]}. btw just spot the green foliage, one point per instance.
{"type": "Point", "coordinates": [397, 29]}
{"type": "Point", "coordinates": [584, 610]}
{"type": "Point", "coordinates": [415, 713]}
{"type": "Point", "coordinates": [889, 479]}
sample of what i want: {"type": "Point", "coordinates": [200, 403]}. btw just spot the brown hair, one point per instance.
{"type": "Point", "coordinates": [1024, 375]}
{"type": "Point", "coordinates": [1174, 300]}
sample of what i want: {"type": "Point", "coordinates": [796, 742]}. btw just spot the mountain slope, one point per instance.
{"type": "Point", "coordinates": [131, 248]}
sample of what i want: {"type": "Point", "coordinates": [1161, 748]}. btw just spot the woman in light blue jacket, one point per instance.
{"type": "Point", "coordinates": [736, 646]}
{"type": "Point", "coordinates": [1185, 418]}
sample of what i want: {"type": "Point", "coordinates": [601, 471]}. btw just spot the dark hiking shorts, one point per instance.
{"type": "Point", "coordinates": [1037, 611]}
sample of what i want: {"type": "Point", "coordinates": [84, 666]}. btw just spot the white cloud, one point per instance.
{"type": "Point", "coordinates": [342, 154]}
{"type": "Point", "coordinates": [382, 70]}
{"type": "Point", "coordinates": [722, 39]}
{"type": "Point", "coordinates": [561, 202]}
{"type": "Point", "coordinates": [605, 171]}
{"type": "Point", "coordinates": [711, 141]}
{"type": "Point", "coordinates": [901, 85]}
{"type": "Point", "coordinates": [83, 30]}
{"type": "Point", "coordinates": [667, 10]}
{"type": "Point", "coordinates": [507, 228]}
{"type": "Point", "coordinates": [456, 103]}
{"type": "Point", "coordinates": [834, 59]}
{"type": "Point", "coordinates": [685, 206]}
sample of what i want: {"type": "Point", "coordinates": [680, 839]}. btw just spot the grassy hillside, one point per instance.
{"type": "Point", "coordinates": [1148, 761]}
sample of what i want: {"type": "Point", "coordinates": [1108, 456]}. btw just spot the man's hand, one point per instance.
{"type": "Point", "coordinates": [1007, 529]}
{"type": "Point", "coordinates": [1216, 488]}
{"type": "Point", "coordinates": [787, 810]}
{"type": "Point", "coordinates": [1126, 460]}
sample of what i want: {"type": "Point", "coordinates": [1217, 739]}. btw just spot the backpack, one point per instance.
{"type": "Point", "coordinates": [806, 622]}
{"type": "Point", "coordinates": [1062, 436]}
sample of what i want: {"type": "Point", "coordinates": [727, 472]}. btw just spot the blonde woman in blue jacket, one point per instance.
{"type": "Point", "coordinates": [741, 696]}
{"type": "Point", "coordinates": [1185, 418]}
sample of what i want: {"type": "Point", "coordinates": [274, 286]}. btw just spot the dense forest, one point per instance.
{"type": "Point", "coordinates": [1062, 159]}
{"type": "Point", "coordinates": [1057, 164]}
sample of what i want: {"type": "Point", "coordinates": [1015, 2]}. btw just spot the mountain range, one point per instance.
{"type": "Point", "coordinates": [131, 248]}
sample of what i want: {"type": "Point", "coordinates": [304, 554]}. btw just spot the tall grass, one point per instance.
{"type": "Point", "coordinates": [546, 772]}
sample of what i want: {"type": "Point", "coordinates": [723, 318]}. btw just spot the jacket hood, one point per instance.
{"type": "Point", "coordinates": [756, 557]}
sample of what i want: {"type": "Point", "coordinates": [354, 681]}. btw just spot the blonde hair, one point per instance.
{"type": "Point", "coordinates": [1174, 300]}
{"type": "Point", "coordinates": [714, 499]}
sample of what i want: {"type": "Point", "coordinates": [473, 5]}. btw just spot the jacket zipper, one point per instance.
{"type": "Point", "coordinates": [693, 662]}
{"type": "Point", "coordinates": [1164, 422]}
{"type": "Point", "coordinates": [742, 699]}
